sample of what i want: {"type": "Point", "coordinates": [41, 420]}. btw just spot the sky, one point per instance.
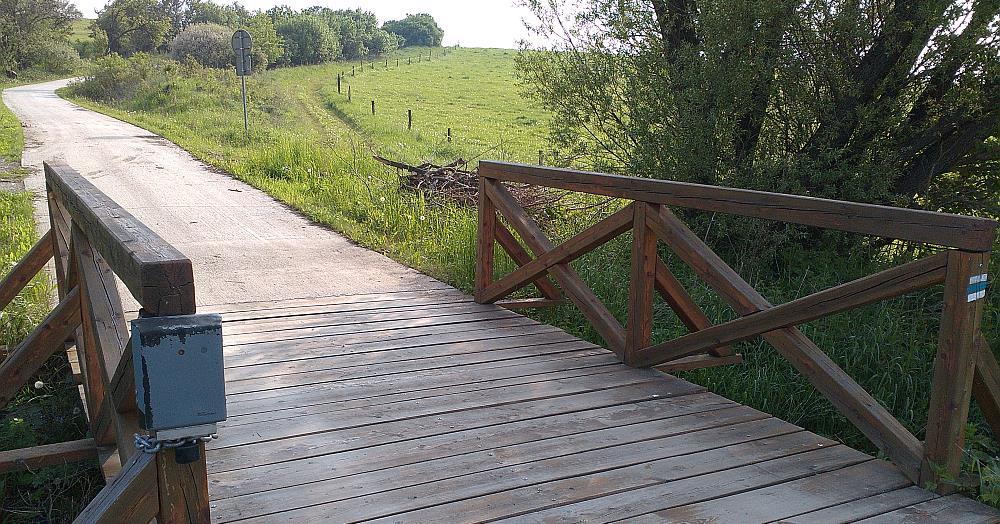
{"type": "Point", "coordinates": [469, 23]}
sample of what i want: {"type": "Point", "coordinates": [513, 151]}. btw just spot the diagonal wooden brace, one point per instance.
{"type": "Point", "coordinates": [890, 283]}
{"type": "Point", "coordinates": [565, 253]}
{"type": "Point", "coordinates": [603, 321]}
{"type": "Point", "coordinates": [520, 256]}
{"type": "Point", "coordinates": [986, 385]}
{"type": "Point", "coordinates": [687, 310]}
{"type": "Point", "coordinates": [29, 356]}
{"type": "Point", "coordinates": [26, 269]}
{"type": "Point", "coordinates": [834, 383]}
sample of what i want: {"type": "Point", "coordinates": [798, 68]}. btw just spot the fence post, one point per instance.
{"type": "Point", "coordinates": [338, 83]}
{"type": "Point", "coordinates": [639, 329]}
{"type": "Point", "coordinates": [348, 93]}
{"type": "Point", "coordinates": [485, 240]}
{"type": "Point", "coordinates": [409, 119]}
{"type": "Point", "coordinates": [951, 388]}
{"type": "Point", "coordinates": [449, 135]}
{"type": "Point", "coordinates": [373, 108]}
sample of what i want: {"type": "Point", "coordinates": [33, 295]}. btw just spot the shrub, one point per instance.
{"type": "Point", "coordinates": [114, 78]}
{"type": "Point", "coordinates": [53, 56]}
{"type": "Point", "coordinates": [208, 44]}
{"type": "Point", "coordinates": [308, 40]}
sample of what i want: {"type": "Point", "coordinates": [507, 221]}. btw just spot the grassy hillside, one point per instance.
{"type": "Point", "coordinates": [310, 147]}
{"type": "Point", "coordinates": [473, 92]}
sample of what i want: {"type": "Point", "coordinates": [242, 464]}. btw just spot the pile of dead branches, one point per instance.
{"type": "Point", "coordinates": [456, 183]}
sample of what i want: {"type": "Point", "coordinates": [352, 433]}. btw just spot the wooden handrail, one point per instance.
{"type": "Point", "coordinates": [157, 274]}
{"type": "Point", "coordinates": [92, 240]}
{"type": "Point", "coordinates": [963, 365]}
{"type": "Point", "coordinates": [962, 232]}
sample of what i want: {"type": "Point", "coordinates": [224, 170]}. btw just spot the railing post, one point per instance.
{"type": "Point", "coordinates": [182, 489]}
{"type": "Point", "coordinates": [485, 238]}
{"type": "Point", "coordinates": [642, 282]}
{"type": "Point", "coordinates": [953, 369]}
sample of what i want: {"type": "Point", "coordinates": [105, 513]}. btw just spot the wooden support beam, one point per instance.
{"type": "Point", "coordinates": [119, 419]}
{"type": "Point", "coordinates": [529, 303]}
{"type": "Point", "coordinates": [642, 280]}
{"type": "Point", "coordinates": [486, 237]}
{"type": "Point", "coordinates": [565, 253]}
{"type": "Point", "coordinates": [837, 386]}
{"type": "Point", "coordinates": [698, 362]}
{"type": "Point", "coordinates": [26, 269]}
{"type": "Point", "coordinates": [131, 497]}
{"type": "Point", "coordinates": [60, 245]}
{"type": "Point", "coordinates": [43, 342]}
{"type": "Point", "coordinates": [890, 283]}
{"type": "Point", "coordinates": [513, 248]}
{"type": "Point", "coordinates": [986, 384]}
{"type": "Point", "coordinates": [603, 321]}
{"type": "Point", "coordinates": [684, 306]}
{"type": "Point", "coordinates": [183, 489]}
{"type": "Point", "coordinates": [954, 367]}
{"type": "Point", "coordinates": [47, 455]}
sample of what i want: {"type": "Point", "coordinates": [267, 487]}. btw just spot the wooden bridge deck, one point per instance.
{"type": "Point", "coordinates": [427, 407]}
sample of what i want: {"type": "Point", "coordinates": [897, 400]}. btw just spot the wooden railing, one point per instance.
{"type": "Point", "coordinates": [93, 240]}
{"type": "Point", "coordinates": [964, 364]}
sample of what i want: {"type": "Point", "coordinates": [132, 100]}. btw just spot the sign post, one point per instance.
{"type": "Point", "coordinates": [241, 45]}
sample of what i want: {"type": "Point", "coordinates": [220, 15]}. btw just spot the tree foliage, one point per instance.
{"type": "Point", "coordinates": [417, 30]}
{"type": "Point", "coordinates": [134, 26]}
{"type": "Point", "coordinates": [307, 40]}
{"type": "Point", "coordinates": [33, 32]}
{"type": "Point", "coordinates": [358, 31]}
{"type": "Point", "coordinates": [873, 101]}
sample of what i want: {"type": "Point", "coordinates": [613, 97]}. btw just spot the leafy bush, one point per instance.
{"type": "Point", "coordinates": [308, 40]}
{"type": "Point", "coordinates": [115, 78]}
{"type": "Point", "coordinates": [419, 29]}
{"type": "Point", "coordinates": [53, 56]}
{"type": "Point", "coordinates": [207, 44]}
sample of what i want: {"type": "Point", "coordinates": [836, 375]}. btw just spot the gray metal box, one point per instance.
{"type": "Point", "coordinates": [179, 377]}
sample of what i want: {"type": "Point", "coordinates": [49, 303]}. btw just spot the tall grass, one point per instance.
{"type": "Point", "coordinates": [311, 149]}
{"type": "Point", "coordinates": [11, 136]}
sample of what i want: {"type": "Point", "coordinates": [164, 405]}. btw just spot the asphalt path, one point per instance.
{"type": "Point", "coordinates": [244, 245]}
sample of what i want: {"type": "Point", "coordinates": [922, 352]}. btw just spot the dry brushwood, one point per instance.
{"type": "Point", "coordinates": [456, 183]}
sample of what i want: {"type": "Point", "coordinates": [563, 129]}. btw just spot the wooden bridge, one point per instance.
{"type": "Point", "coordinates": [431, 406]}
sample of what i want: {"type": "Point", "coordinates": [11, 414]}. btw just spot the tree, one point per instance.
{"type": "Point", "coordinates": [869, 101]}
{"type": "Point", "coordinates": [34, 30]}
{"type": "Point", "coordinates": [358, 31]}
{"type": "Point", "coordinates": [207, 44]}
{"type": "Point", "coordinates": [133, 25]}
{"type": "Point", "coordinates": [208, 12]}
{"type": "Point", "coordinates": [268, 47]}
{"type": "Point", "coordinates": [308, 40]}
{"type": "Point", "coordinates": [416, 30]}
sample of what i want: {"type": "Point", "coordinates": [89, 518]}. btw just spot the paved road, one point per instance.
{"type": "Point", "coordinates": [245, 246]}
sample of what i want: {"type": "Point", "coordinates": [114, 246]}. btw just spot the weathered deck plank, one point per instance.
{"type": "Point", "coordinates": [426, 407]}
